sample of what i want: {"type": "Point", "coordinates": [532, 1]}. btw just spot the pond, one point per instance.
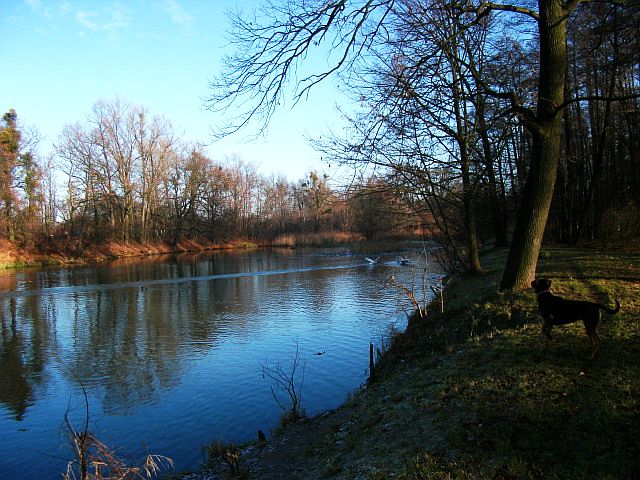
{"type": "Point", "coordinates": [170, 350]}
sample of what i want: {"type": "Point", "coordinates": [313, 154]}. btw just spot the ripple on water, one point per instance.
{"type": "Point", "coordinates": [171, 355]}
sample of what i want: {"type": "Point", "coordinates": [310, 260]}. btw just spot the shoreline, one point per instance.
{"type": "Point", "coordinates": [476, 393]}
{"type": "Point", "coordinates": [14, 257]}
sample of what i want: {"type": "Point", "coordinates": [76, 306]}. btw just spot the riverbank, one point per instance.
{"type": "Point", "coordinates": [12, 256]}
{"type": "Point", "coordinates": [476, 392]}
{"type": "Point", "coordinates": [61, 253]}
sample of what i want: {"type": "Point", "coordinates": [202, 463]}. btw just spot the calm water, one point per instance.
{"type": "Point", "coordinates": [170, 350]}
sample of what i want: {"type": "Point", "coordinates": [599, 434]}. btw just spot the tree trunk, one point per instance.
{"type": "Point", "coordinates": [546, 130]}
{"type": "Point", "coordinates": [499, 225]}
{"type": "Point", "coordinates": [468, 186]}
{"type": "Point", "coordinates": [473, 256]}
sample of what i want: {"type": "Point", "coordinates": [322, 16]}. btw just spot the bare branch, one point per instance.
{"type": "Point", "coordinates": [290, 381]}
{"type": "Point", "coordinates": [272, 48]}
{"type": "Point", "coordinates": [600, 98]}
{"type": "Point", "coordinates": [485, 7]}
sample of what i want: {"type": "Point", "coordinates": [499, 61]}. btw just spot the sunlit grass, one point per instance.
{"type": "Point", "coordinates": [513, 403]}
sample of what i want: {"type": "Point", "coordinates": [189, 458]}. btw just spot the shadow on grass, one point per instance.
{"type": "Point", "coordinates": [545, 412]}
{"type": "Point", "coordinates": [514, 405]}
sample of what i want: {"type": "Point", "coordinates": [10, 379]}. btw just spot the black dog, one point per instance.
{"type": "Point", "coordinates": [558, 311]}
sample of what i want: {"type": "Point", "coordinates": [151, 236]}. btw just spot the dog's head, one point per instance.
{"type": "Point", "coordinates": [540, 285]}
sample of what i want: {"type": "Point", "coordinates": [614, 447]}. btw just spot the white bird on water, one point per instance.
{"type": "Point", "coordinates": [372, 261]}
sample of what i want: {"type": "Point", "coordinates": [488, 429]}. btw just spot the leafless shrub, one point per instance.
{"type": "Point", "coordinates": [418, 291]}
{"type": "Point", "coordinates": [420, 306]}
{"type": "Point", "coordinates": [95, 461]}
{"type": "Point", "coordinates": [289, 381]}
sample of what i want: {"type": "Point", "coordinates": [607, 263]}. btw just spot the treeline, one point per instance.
{"type": "Point", "coordinates": [483, 123]}
{"type": "Point", "coordinates": [598, 190]}
{"type": "Point", "coordinates": [449, 111]}
{"type": "Point", "coordinates": [503, 121]}
{"type": "Point", "coordinates": [122, 175]}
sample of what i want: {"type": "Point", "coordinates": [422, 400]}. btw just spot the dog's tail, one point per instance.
{"type": "Point", "coordinates": [611, 310]}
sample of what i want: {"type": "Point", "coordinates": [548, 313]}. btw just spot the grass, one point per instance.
{"type": "Point", "coordinates": [229, 453]}
{"type": "Point", "coordinates": [510, 403]}
{"type": "Point", "coordinates": [320, 239]}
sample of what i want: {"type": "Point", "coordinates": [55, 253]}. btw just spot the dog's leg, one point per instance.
{"type": "Point", "coordinates": [591, 326]}
{"type": "Point", "coordinates": [595, 344]}
{"type": "Point", "coordinates": [546, 329]}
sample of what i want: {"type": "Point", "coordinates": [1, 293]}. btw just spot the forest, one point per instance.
{"type": "Point", "coordinates": [123, 176]}
{"type": "Point", "coordinates": [477, 124]}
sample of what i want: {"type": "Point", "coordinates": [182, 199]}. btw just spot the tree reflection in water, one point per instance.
{"type": "Point", "coordinates": [24, 349]}
{"type": "Point", "coordinates": [170, 350]}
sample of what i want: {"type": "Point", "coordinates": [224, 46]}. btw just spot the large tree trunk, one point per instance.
{"type": "Point", "coordinates": [532, 218]}
{"type": "Point", "coordinates": [546, 130]}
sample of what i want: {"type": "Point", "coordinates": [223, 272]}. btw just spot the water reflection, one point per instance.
{"type": "Point", "coordinates": [159, 344]}
{"type": "Point", "coordinates": [123, 345]}
{"type": "Point", "coordinates": [23, 354]}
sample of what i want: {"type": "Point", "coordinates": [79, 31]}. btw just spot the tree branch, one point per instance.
{"type": "Point", "coordinates": [268, 57]}
{"type": "Point", "coordinates": [486, 7]}
{"type": "Point", "coordinates": [601, 98]}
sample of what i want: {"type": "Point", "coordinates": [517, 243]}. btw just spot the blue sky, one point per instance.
{"type": "Point", "coordinates": [59, 57]}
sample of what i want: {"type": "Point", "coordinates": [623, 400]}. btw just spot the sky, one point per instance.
{"type": "Point", "coordinates": [59, 58]}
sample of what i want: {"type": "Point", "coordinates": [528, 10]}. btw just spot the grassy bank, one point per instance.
{"type": "Point", "coordinates": [477, 392]}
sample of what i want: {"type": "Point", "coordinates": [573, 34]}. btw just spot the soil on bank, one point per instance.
{"type": "Point", "coordinates": [60, 252]}
{"type": "Point", "coordinates": [12, 256]}
{"type": "Point", "coordinates": [478, 393]}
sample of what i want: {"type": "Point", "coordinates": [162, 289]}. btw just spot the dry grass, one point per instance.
{"type": "Point", "coordinates": [95, 461]}
{"type": "Point", "coordinates": [11, 256]}
{"type": "Point", "coordinates": [322, 239]}
{"type": "Point", "coordinates": [229, 453]}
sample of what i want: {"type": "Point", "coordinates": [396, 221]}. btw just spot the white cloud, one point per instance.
{"type": "Point", "coordinates": [178, 14]}
{"type": "Point", "coordinates": [84, 19]}
{"type": "Point", "coordinates": [119, 18]}
{"type": "Point", "coordinates": [111, 19]}
{"type": "Point", "coordinates": [37, 7]}
{"type": "Point", "coordinates": [33, 4]}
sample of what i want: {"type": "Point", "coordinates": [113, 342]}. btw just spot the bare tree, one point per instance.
{"type": "Point", "coordinates": [116, 163]}
{"type": "Point", "coordinates": [154, 142]}
{"type": "Point", "coordinates": [185, 189]}
{"type": "Point", "coordinates": [273, 43]}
